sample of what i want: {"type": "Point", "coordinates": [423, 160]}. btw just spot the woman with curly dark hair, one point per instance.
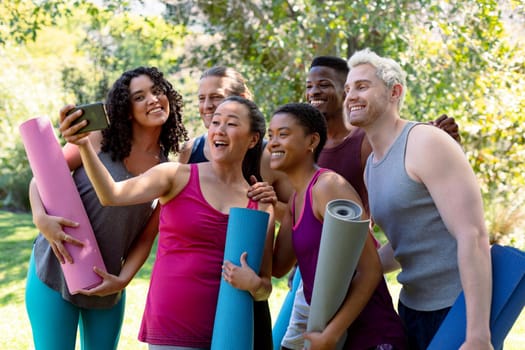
{"type": "Point", "coordinates": [118, 137]}
{"type": "Point", "coordinates": [145, 114]}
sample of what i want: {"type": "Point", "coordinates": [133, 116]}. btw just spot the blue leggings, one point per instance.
{"type": "Point", "coordinates": [54, 321]}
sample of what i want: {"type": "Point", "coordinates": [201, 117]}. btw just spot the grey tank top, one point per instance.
{"type": "Point", "coordinates": [423, 246]}
{"type": "Point", "coordinates": [115, 229]}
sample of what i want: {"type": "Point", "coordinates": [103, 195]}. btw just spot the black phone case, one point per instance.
{"type": "Point", "coordinates": [95, 114]}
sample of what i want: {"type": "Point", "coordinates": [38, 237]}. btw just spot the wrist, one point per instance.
{"type": "Point", "coordinates": [481, 337]}
{"type": "Point", "coordinates": [259, 290]}
{"type": "Point", "coordinates": [38, 217]}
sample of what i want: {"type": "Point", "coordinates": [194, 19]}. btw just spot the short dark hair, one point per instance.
{"type": "Point", "coordinates": [336, 63]}
{"type": "Point", "coordinates": [310, 119]}
{"type": "Point", "coordinates": [251, 164]}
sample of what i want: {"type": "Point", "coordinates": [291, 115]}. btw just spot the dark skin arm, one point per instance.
{"type": "Point", "coordinates": [449, 125]}
{"type": "Point", "coordinates": [275, 187]}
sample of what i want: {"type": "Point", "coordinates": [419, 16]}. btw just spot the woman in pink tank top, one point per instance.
{"type": "Point", "coordinates": [195, 202]}
{"type": "Point", "coordinates": [297, 134]}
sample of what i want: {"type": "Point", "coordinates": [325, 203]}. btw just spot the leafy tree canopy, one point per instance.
{"type": "Point", "coordinates": [464, 58]}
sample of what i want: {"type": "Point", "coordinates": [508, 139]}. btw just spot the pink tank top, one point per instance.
{"type": "Point", "coordinates": [182, 297]}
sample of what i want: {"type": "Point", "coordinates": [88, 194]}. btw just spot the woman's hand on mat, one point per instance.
{"type": "Point", "coordinates": [320, 341]}
{"type": "Point", "coordinates": [111, 284]}
{"type": "Point", "coordinates": [261, 191]}
{"type": "Point", "coordinates": [240, 277]}
{"type": "Point", "coordinates": [51, 228]}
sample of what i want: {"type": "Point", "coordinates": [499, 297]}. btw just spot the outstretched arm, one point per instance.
{"type": "Point", "coordinates": [156, 182]}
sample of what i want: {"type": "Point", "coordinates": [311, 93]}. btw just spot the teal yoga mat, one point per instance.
{"type": "Point", "coordinates": [283, 318]}
{"type": "Point", "coordinates": [342, 241]}
{"type": "Point", "coordinates": [233, 325]}
{"type": "Point", "coordinates": [508, 299]}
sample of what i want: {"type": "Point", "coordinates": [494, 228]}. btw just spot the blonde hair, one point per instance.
{"type": "Point", "coordinates": [388, 70]}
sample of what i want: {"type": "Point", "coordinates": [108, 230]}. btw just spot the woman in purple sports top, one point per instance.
{"type": "Point", "coordinates": [297, 134]}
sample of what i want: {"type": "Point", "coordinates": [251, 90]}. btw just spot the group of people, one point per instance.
{"type": "Point", "coordinates": [346, 141]}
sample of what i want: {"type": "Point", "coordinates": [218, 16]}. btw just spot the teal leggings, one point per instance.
{"type": "Point", "coordinates": [54, 321]}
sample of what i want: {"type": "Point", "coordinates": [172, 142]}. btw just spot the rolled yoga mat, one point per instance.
{"type": "Point", "coordinates": [283, 318]}
{"type": "Point", "coordinates": [61, 198]}
{"type": "Point", "coordinates": [508, 299]}
{"type": "Point", "coordinates": [342, 241]}
{"type": "Point", "coordinates": [233, 325]}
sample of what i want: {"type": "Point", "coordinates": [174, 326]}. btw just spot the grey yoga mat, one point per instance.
{"type": "Point", "coordinates": [342, 241]}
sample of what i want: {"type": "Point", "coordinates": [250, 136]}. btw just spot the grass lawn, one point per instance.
{"type": "Point", "coordinates": [16, 235]}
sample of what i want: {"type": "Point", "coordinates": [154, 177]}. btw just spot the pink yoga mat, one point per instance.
{"type": "Point", "coordinates": [61, 198]}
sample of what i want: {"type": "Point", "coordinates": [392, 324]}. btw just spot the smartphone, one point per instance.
{"type": "Point", "coordinates": [94, 113]}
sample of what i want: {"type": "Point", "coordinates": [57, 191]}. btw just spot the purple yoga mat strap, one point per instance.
{"type": "Point", "coordinates": [61, 198]}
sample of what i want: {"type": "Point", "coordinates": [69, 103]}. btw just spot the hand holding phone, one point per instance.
{"type": "Point", "coordinates": [94, 113]}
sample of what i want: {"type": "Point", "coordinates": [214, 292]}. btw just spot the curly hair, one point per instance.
{"type": "Point", "coordinates": [310, 119]}
{"type": "Point", "coordinates": [251, 164]}
{"type": "Point", "coordinates": [118, 136]}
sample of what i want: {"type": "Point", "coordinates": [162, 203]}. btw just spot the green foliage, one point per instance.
{"type": "Point", "coordinates": [22, 20]}
{"type": "Point", "coordinates": [477, 78]}
{"type": "Point", "coordinates": [73, 59]}
{"type": "Point", "coordinates": [26, 90]}
{"type": "Point", "coordinates": [272, 42]}
{"type": "Point", "coordinates": [15, 175]}
{"type": "Point", "coordinates": [463, 59]}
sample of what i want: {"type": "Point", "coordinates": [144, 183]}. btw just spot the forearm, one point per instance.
{"type": "Point", "coordinates": [99, 176]}
{"type": "Point", "coordinates": [360, 292]}
{"type": "Point", "coordinates": [134, 262]}
{"type": "Point", "coordinates": [37, 207]}
{"type": "Point", "coordinates": [476, 279]}
{"type": "Point", "coordinates": [283, 258]}
{"type": "Point", "coordinates": [282, 262]}
{"type": "Point", "coordinates": [280, 210]}
{"type": "Point", "coordinates": [262, 288]}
